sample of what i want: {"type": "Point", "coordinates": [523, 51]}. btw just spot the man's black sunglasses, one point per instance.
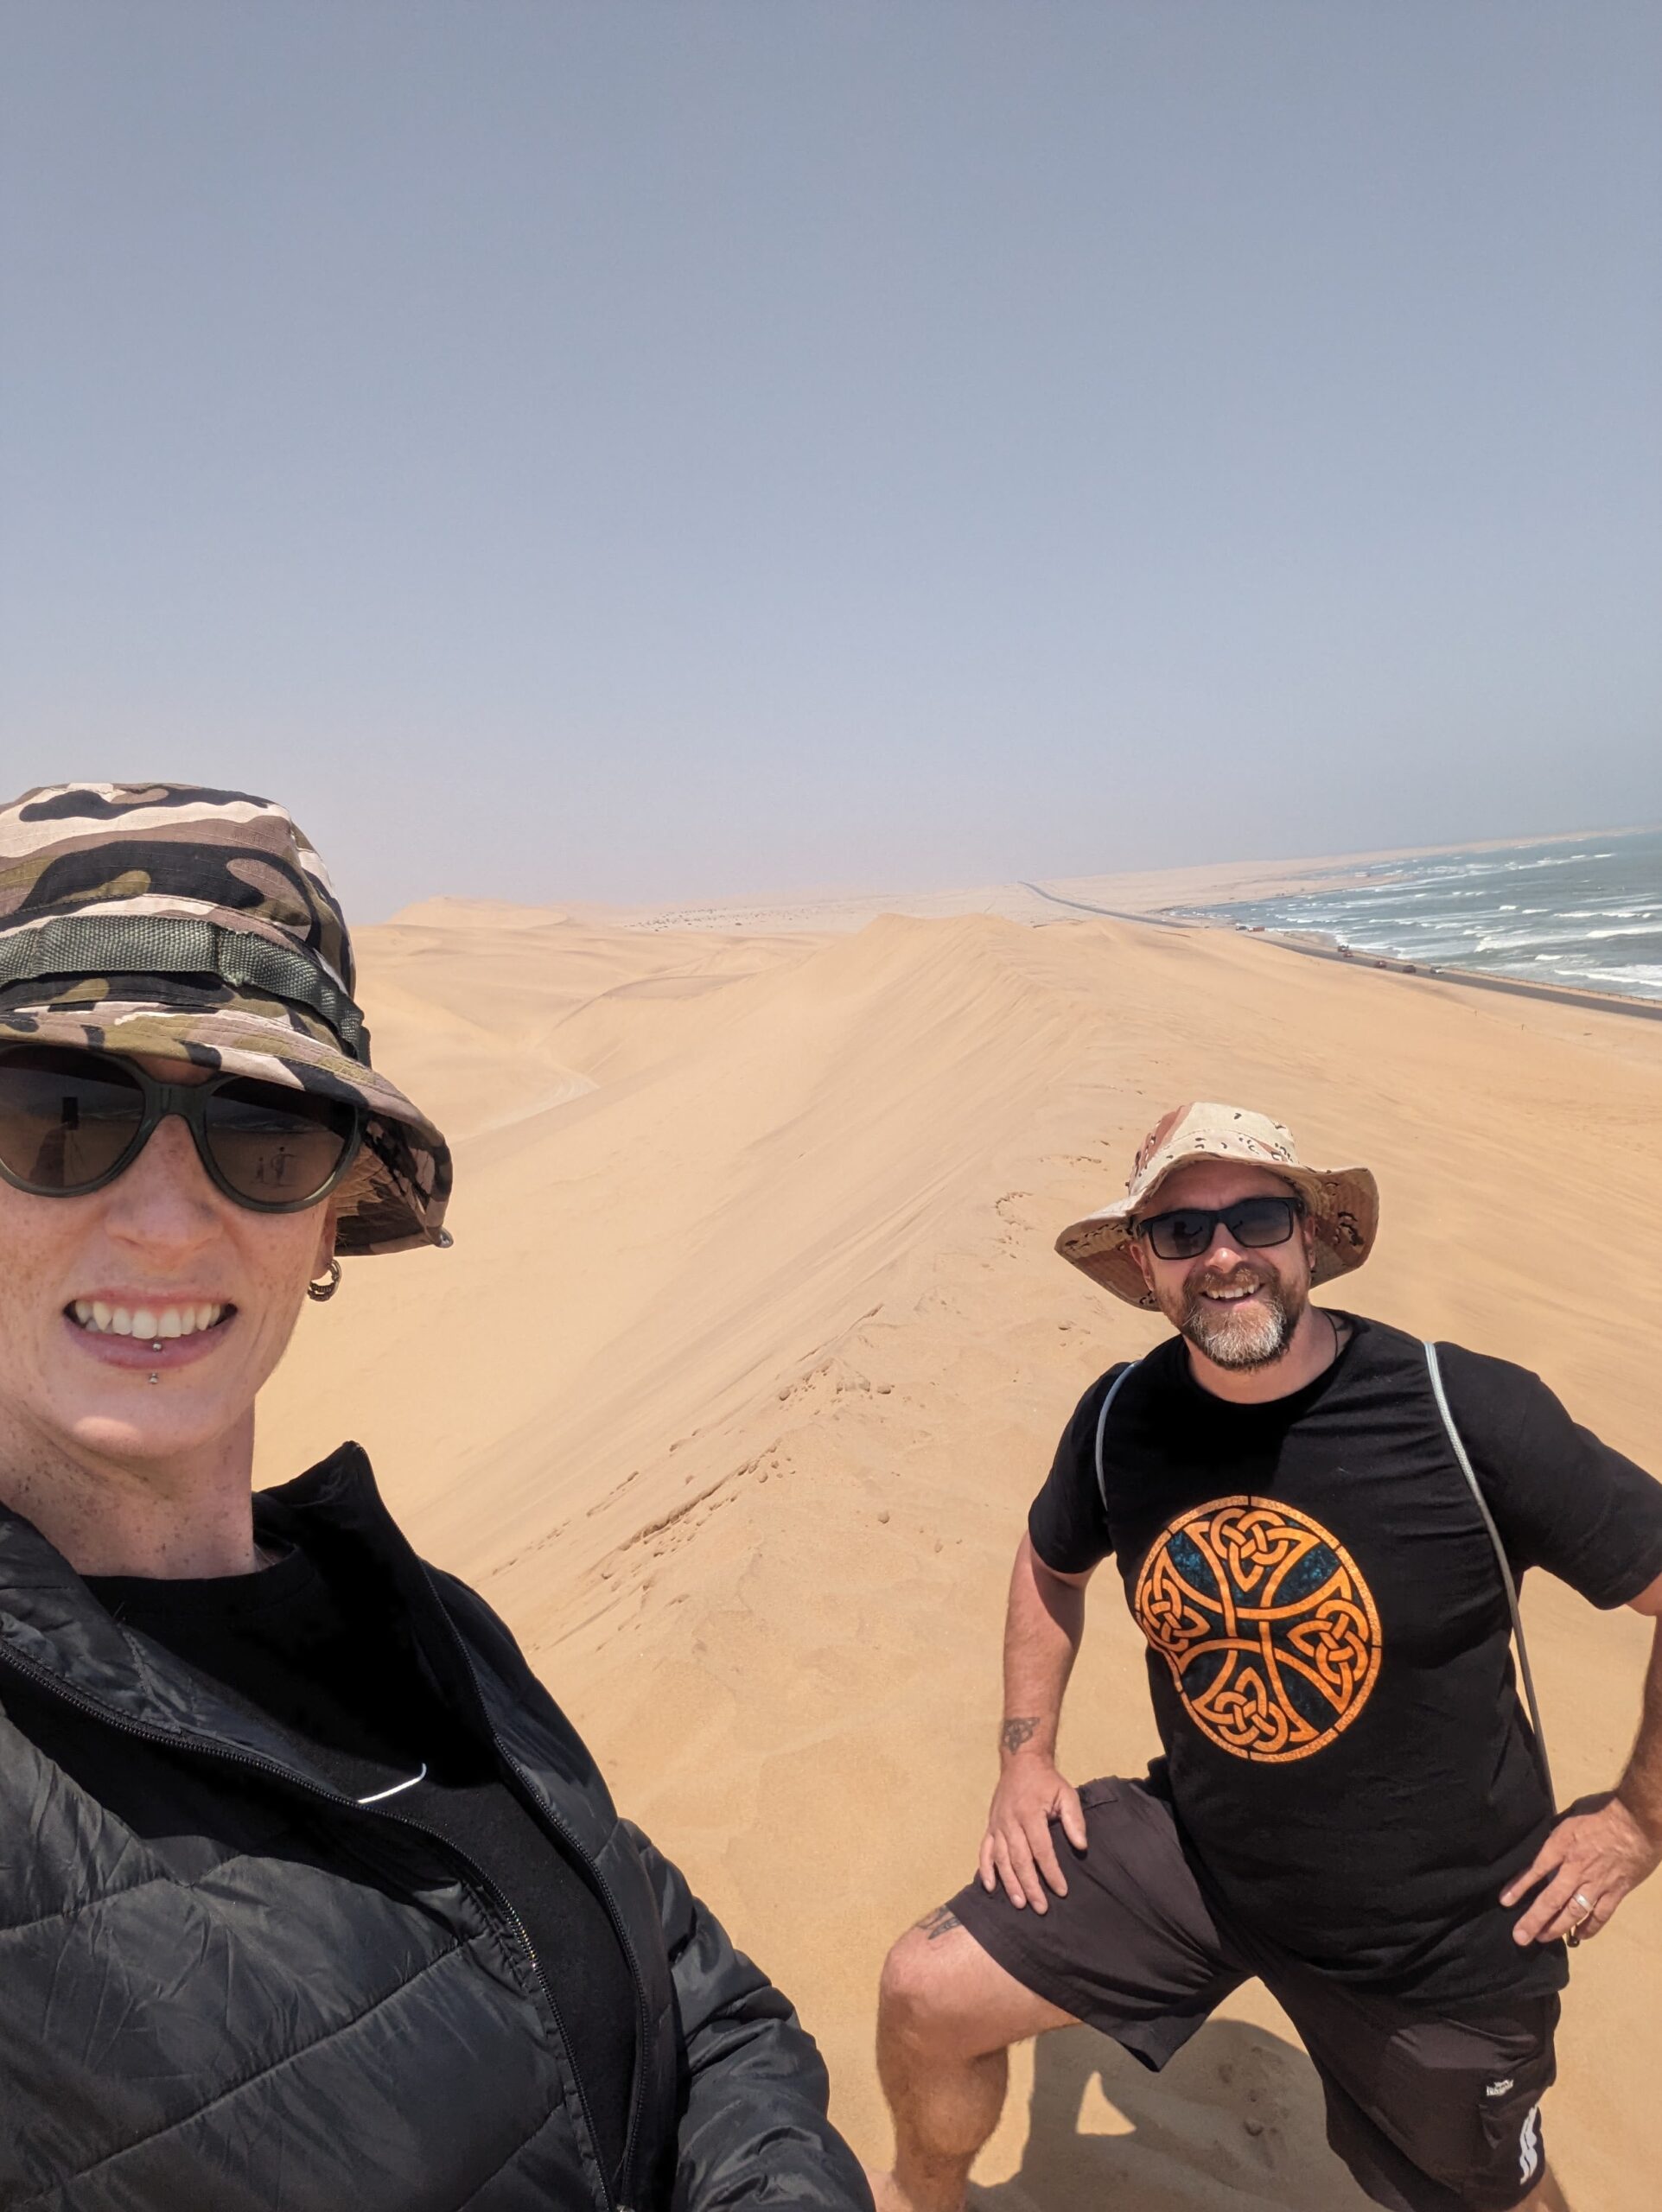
{"type": "Point", "coordinates": [1187, 1231]}
{"type": "Point", "coordinates": [71, 1122]}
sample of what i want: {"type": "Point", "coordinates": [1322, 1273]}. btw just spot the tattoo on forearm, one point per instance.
{"type": "Point", "coordinates": [940, 1923]}
{"type": "Point", "coordinates": [1015, 1733]}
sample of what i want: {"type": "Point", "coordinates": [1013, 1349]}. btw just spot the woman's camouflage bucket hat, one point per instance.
{"type": "Point", "coordinates": [183, 924]}
{"type": "Point", "coordinates": [1343, 1202]}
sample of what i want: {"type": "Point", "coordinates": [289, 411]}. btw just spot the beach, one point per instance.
{"type": "Point", "coordinates": [1583, 913]}
{"type": "Point", "coordinates": [752, 1351]}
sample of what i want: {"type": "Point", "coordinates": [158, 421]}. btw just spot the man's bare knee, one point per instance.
{"type": "Point", "coordinates": [915, 1996]}
{"type": "Point", "coordinates": [941, 1991]}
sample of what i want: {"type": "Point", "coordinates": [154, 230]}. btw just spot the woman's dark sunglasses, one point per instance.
{"type": "Point", "coordinates": [1187, 1231]}
{"type": "Point", "coordinates": [71, 1122]}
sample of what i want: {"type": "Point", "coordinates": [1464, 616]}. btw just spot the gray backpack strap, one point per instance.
{"type": "Point", "coordinates": [1102, 1428]}
{"type": "Point", "coordinates": [1504, 1563]}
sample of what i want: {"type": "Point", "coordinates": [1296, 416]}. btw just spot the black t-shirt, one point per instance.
{"type": "Point", "coordinates": [1328, 1635]}
{"type": "Point", "coordinates": [283, 1641]}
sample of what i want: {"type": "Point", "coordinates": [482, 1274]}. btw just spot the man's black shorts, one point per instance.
{"type": "Point", "coordinates": [1431, 2112]}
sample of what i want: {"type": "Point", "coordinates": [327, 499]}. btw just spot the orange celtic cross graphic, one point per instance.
{"type": "Point", "coordinates": [1270, 1633]}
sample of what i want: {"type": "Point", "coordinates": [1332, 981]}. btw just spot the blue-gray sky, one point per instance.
{"type": "Point", "coordinates": [637, 449]}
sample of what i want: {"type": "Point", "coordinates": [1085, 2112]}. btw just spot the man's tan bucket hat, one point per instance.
{"type": "Point", "coordinates": [1343, 1202]}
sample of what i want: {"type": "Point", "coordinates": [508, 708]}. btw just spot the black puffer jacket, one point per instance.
{"type": "Point", "coordinates": [224, 1987]}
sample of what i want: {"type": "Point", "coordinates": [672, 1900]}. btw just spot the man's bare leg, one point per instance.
{"type": "Point", "coordinates": [946, 2015]}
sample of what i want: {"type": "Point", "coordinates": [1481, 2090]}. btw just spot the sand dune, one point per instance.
{"type": "Point", "coordinates": [752, 1350]}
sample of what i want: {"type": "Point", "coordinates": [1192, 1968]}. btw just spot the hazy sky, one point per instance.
{"type": "Point", "coordinates": [664, 448]}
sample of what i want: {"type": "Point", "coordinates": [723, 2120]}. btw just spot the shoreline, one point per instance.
{"type": "Point", "coordinates": [1469, 978]}
{"type": "Point", "coordinates": [1196, 889]}
{"type": "Point", "coordinates": [1322, 940]}
{"type": "Point", "coordinates": [1315, 945]}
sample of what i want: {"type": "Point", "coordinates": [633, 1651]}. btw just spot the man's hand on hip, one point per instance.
{"type": "Point", "coordinates": [1019, 1849]}
{"type": "Point", "coordinates": [1594, 1857]}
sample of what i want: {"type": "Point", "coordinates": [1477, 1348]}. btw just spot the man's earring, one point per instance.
{"type": "Point", "coordinates": [326, 1286]}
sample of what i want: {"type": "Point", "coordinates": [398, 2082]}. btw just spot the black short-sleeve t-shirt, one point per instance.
{"type": "Point", "coordinates": [1329, 1640]}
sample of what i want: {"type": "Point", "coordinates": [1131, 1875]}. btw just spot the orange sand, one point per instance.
{"type": "Point", "coordinates": [752, 1350]}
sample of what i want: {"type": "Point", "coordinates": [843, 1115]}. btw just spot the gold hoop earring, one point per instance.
{"type": "Point", "coordinates": [326, 1286]}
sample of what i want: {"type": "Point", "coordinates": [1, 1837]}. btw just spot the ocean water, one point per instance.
{"type": "Point", "coordinates": [1586, 911]}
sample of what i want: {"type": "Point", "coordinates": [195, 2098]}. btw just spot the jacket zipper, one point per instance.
{"type": "Point", "coordinates": [56, 1687]}
{"type": "Point", "coordinates": [626, 2170]}
{"type": "Point", "coordinates": [520, 1930]}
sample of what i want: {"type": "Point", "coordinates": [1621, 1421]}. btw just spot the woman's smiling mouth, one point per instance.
{"type": "Point", "coordinates": [146, 1331]}
{"type": "Point", "coordinates": [146, 1322]}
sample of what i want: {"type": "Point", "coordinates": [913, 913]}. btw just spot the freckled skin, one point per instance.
{"type": "Point", "coordinates": [122, 1475]}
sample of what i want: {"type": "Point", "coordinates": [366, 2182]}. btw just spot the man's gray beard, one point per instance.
{"type": "Point", "coordinates": [1245, 1336]}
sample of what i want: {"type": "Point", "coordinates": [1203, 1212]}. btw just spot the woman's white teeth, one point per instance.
{"type": "Point", "coordinates": [143, 1320]}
